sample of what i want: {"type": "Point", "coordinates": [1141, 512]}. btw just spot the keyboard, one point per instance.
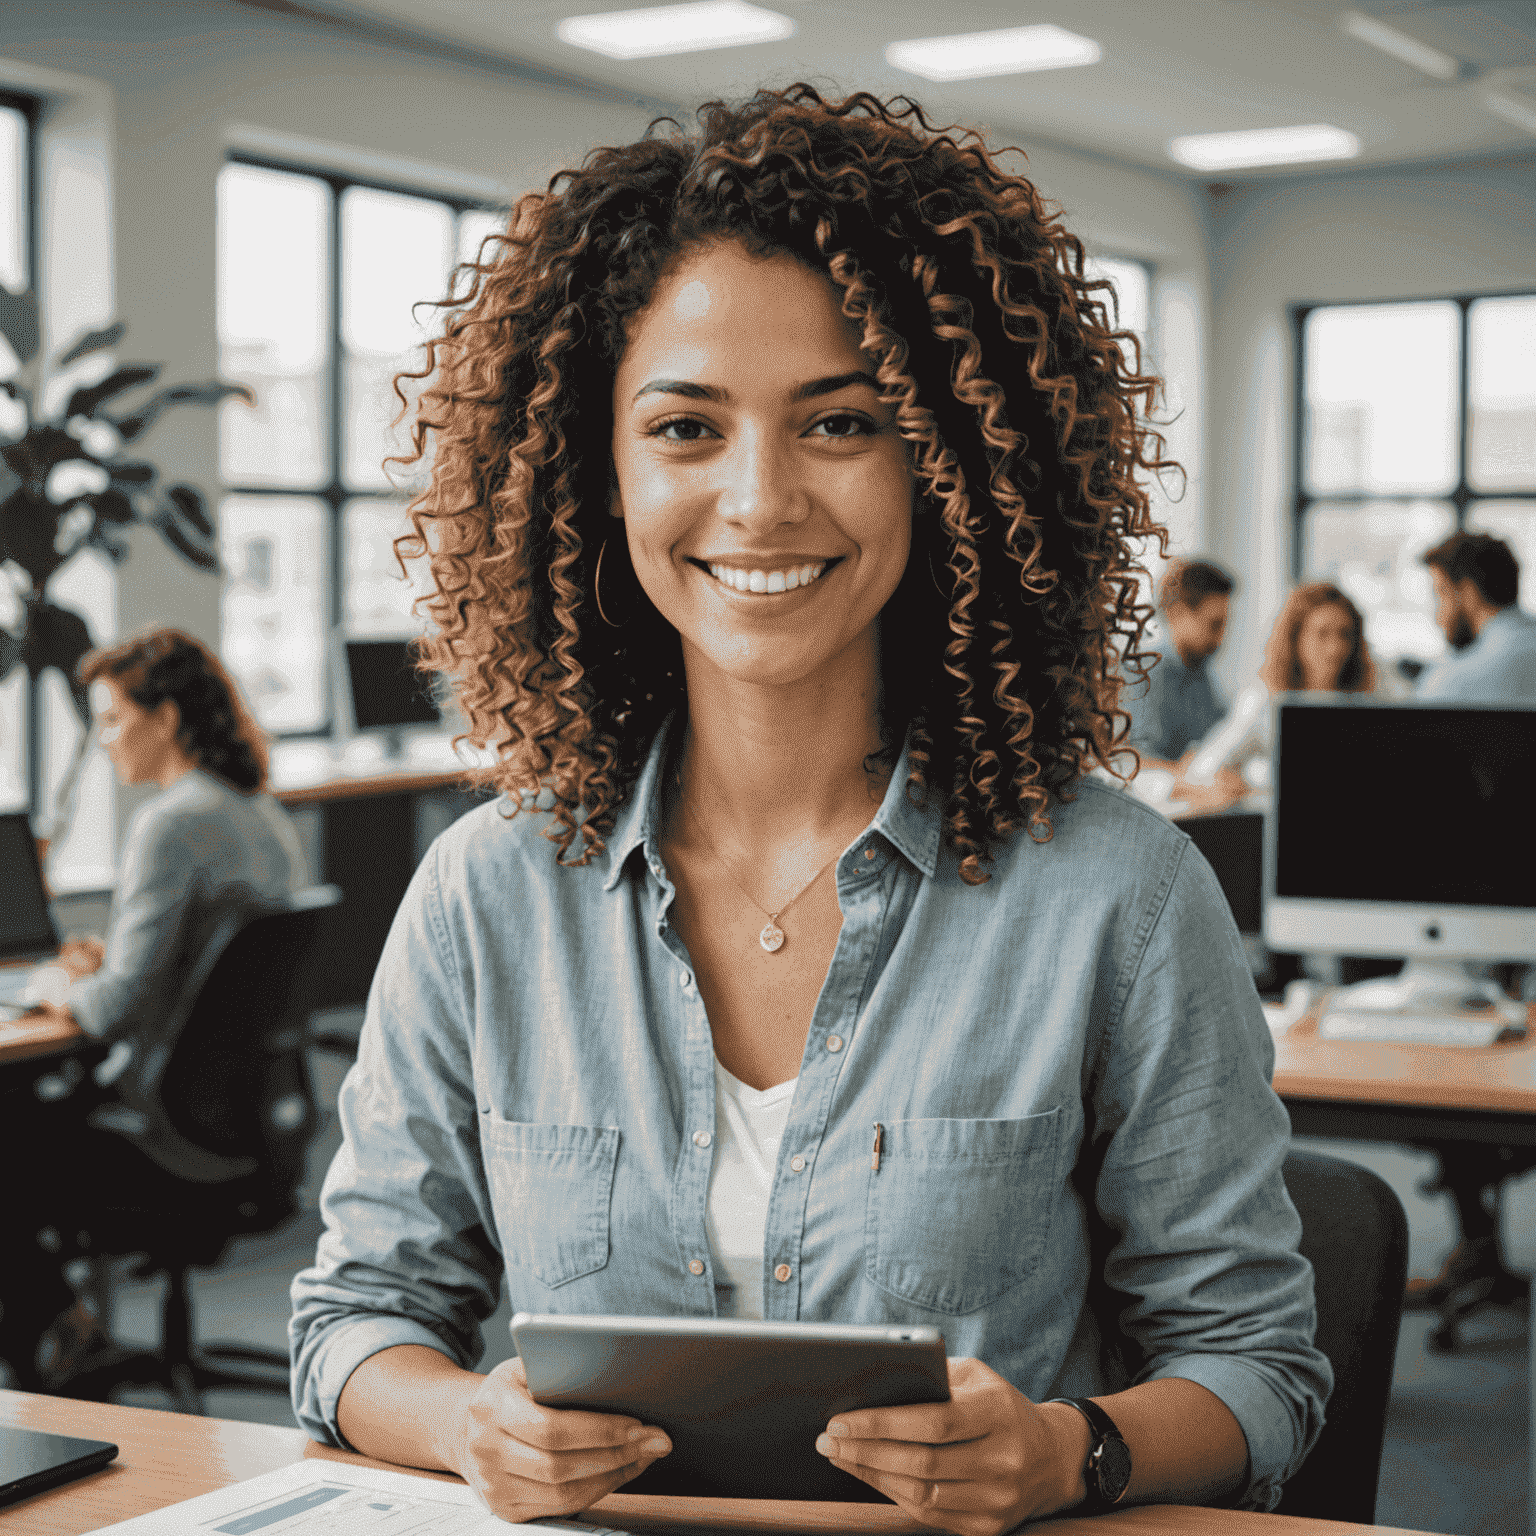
{"type": "Point", "coordinates": [1414, 1028]}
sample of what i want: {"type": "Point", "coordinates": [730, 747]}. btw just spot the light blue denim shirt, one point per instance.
{"type": "Point", "coordinates": [1080, 1179]}
{"type": "Point", "coordinates": [1499, 667]}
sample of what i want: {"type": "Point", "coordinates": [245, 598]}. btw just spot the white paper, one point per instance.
{"type": "Point", "coordinates": [332, 1498]}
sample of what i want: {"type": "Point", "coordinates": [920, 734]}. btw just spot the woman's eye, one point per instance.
{"type": "Point", "coordinates": [680, 429]}
{"type": "Point", "coordinates": [844, 425]}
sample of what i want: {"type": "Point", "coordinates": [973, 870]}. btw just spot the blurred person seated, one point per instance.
{"type": "Point", "coordinates": [1493, 661]}
{"type": "Point", "coordinates": [212, 840]}
{"type": "Point", "coordinates": [1317, 646]}
{"type": "Point", "coordinates": [1178, 704]}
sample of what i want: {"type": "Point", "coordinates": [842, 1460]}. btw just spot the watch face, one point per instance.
{"type": "Point", "coordinates": [1114, 1468]}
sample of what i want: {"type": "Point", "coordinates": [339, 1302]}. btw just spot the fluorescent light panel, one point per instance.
{"type": "Point", "coordinates": [1513, 109]}
{"type": "Point", "coordinates": [974, 55]}
{"type": "Point", "coordinates": [665, 29]}
{"type": "Point", "coordinates": [1430, 61]}
{"type": "Point", "coordinates": [1264, 146]}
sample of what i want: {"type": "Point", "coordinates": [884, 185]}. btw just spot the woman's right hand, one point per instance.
{"type": "Point", "coordinates": [81, 957]}
{"type": "Point", "coordinates": [529, 1462]}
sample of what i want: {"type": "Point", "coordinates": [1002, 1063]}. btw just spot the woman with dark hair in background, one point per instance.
{"type": "Point", "coordinates": [210, 844]}
{"type": "Point", "coordinates": [783, 516]}
{"type": "Point", "coordinates": [1316, 646]}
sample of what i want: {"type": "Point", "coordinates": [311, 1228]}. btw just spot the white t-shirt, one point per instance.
{"type": "Point", "coordinates": [749, 1125]}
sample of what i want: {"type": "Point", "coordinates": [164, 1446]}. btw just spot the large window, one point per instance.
{"type": "Point", "coordinates": [1413, 420]}
{"type": "Point", "coordinates": [325, 285]}
{"type": "Point", "coordinates": [19, 756]}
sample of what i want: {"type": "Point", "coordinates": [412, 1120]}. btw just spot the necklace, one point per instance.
{"type": "Point", "coordinates": [771, 936]}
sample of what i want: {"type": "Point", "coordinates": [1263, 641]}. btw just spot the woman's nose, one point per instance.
{"type": "Point", "coordinates": [762, 488]}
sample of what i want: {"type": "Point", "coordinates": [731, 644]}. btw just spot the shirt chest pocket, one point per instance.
{"type": "Point", "coordinates": [960, 1211]}
{"type": "Point", "coordinates": [551, 1188]}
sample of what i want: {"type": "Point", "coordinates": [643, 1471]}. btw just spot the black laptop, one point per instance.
{"type": "Point", "coordinates": [26, 926]}
{"type": "Point", "coordinates": [31, 1461]}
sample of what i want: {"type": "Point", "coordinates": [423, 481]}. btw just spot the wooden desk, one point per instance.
{"type": "Point", "coordinates": [1374, 1091]}
{"type": "Point", "coordinates": [22, 1039]}
{"type": "Point", "coordinates": [166, 1457]}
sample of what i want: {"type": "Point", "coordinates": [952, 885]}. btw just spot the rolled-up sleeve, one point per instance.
{"type": "Point", "coordinates": [404, 1257]}
{"type": "Point", "coordinates": [1203, 1233]}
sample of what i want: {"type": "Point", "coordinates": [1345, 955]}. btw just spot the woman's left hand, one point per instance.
{"type": "Point", "coordinates": [976, 1465]}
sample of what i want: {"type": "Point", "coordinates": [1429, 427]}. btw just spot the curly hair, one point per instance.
{"type": "Point", "coordinates": [1281, 672]}
{"type": "Point", "coordinates": [1024, 410]}
{"type": "Point", "coordinates": [217, 731]}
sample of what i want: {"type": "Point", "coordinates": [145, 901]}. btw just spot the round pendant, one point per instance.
{"type": "Point", "coordinates": [772, 937]}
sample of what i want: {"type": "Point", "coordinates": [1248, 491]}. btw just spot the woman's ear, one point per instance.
{"type": "Point", "coordinates": [167, 716]}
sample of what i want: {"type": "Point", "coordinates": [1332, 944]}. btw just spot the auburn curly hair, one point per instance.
{"type": "Point", "coordinates": [217, 731]}
{"type": "Point", "coordinates": [1281, 672]}
{"type": "Point", "coordinates": [1024, 409]}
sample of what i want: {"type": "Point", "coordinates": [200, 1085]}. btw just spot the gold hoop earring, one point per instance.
{"type": "Point", "coordinates": [597, 588]}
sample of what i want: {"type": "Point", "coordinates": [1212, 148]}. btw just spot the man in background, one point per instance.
{"type": "Point", "coordinates": [1493, 661]}
{"type": "Point", "coordinates": [1180, 703]}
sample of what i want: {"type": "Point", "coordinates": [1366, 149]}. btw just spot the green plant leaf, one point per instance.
{"type": "Point", "coordinates": [180, 540]}
{"type": "Point", "coordinates": [188, 501]}
{"type": "Point", "coordinates": [18, 323]}
{"type": "Point", "coordinates": [210, 392]}
{"type": "Point", "coordinates": [92, 341]}
{"type": "Point", "coordinates": [86, 401]}
{"type": "Point", "coordinates": [112, 506]}
{"type": "Point", "coordinates": [12, 648]}
{"type": "Point", "coordinates": [107, 541]}
{"type": "Point", "coordinates": [130, 471]}
{"type": "Point", "coordinates": [56, 637]}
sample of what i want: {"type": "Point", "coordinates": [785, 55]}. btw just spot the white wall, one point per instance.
{"type": "Point", "coordinates": [1455, 229]}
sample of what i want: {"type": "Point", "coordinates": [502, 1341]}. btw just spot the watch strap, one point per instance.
{"type": "Point", "coordinates": [1104, 1428]}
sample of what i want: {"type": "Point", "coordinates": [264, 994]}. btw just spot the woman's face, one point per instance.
{"type": "Point", "coordinates": [137, 740]}
{"type": "Point", "coordinates": [765, 491]}
{"type": "Point", "coordinates": [1323, 645]}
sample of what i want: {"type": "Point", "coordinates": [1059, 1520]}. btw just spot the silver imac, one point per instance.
{"type": "Point", "coordinates": [1409, 831]}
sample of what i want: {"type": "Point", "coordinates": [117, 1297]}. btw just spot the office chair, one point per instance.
{"type": "Point", "coordinates": [226, 1110]}
{"type": "Point", "coordinates": [1355, 1235]}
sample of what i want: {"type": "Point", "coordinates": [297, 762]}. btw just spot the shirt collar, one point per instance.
{"type": "Point", "coordinates": [913, 829]}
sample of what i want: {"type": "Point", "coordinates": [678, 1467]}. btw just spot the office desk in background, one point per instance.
{"type": "Point", "coordinates": [366, 820]}
{"type": "Point", "coordinates": [167, 1457]}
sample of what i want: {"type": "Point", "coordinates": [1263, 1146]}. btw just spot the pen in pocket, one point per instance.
{"type": "Point", "coordinates": [874, 1155]}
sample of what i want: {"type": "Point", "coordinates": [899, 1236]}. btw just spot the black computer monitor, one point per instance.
{"type": "Point", "coordinates": [386, 691]}
{"type": "Point", "coordinates": [1403, 830]}
{"type": "Point", "coordinates": [26, 928]}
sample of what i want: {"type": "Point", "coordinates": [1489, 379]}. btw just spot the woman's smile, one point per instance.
{"type": "Point", "coordinates": [766, 579]}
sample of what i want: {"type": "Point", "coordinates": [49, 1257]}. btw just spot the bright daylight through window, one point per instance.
{"type": "Point", "coordinates": [1387, 467]}
{"type": "Point", "coordinates": [319, 327]}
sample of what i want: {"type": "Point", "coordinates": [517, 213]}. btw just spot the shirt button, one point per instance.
{"type": "Point", "coordinates": [696, 1266]}
{"type": "Point", "coordinates": [869, 853]}
{"type": "Point", "coordinates": [834, 1042]}
{"type": "Point", "coordinates": [782, 1273]}
{"type": "Point", "coordinates": [701, 1138]}
{"type": "Point", "coordinates": [684, 980]}
{"type": "Point", "coordinates": [797, 1164]}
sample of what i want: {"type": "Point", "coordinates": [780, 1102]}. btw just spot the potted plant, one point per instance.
{"type": "Point", "coordinates": [67, 484]}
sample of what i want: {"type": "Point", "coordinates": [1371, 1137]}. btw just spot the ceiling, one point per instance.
{"type": "Point", "coordinates": [1169, 67]}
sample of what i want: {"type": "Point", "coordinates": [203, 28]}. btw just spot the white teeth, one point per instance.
{"type": "Point", "coordinates": [767, 581]}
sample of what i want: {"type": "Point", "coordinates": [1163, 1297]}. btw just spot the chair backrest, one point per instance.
{"type": "Point", "coordinates": [225, 1091]}
{"type": "Point", "coordinates": [1354, 1233]}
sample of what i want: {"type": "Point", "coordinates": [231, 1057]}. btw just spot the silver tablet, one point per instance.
{"type": "Point", "coordinates": [743, 1402]}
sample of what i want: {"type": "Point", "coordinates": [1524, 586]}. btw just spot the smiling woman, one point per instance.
{"type": "Point", "coordinates": [786, 489]}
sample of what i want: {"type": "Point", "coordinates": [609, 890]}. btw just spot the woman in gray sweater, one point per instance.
{"type": "Point", "coordinates": [211, 843]}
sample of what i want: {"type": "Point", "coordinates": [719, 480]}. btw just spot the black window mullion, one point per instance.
{"type": "Point", "coordinates": [334, 494]}
{"type": "Point", "coordinates": [1462, 495]}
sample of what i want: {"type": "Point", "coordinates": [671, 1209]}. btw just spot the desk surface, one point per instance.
{"type": "Point", "coordinates": [166, 1457]}
{"type": "Point", "coordinates": [1495, 1079]}
{"type": "Point", "coordinates": [21, 1039]}
{"type": "Point", "coordinates": [309, 773]}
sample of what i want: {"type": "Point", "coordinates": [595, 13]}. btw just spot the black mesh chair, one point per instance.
{"type": "Point", "coordinates": [1354, 1233]}
{"type": "Point", "coordinates": [226, 1110]}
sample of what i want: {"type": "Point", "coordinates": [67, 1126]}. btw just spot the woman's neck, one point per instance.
{"type": "Point", "coordinates": [777, 762]}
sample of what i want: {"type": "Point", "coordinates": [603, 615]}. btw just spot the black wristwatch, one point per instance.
{"type": "Point", "coordinates": [1108, 1473]}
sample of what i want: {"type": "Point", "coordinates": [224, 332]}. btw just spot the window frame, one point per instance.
{"type": "Point", "coordinates": [336, 493]}
{"type": "Point", "coordinates": [30, 108]}
{"type": "Point", "coordinates": [1462, 495]}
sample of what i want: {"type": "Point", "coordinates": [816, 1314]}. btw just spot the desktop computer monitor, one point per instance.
{"type": "Point", "coordinates": [1403, 830]}
{"type": "Point", "coordinates": [382, 691]}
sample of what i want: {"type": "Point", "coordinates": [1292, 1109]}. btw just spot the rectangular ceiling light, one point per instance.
{"type": "Point", "coordinates": [1264, 146]}
{"type": "Point", "coordinates": [974, 55]}
{"type": "Point", "coordinates": [1367, 29]}
{"type": "Point", "coordinates": [1513, 109]}
{"type": "Point", "coordinates": [664, 29]}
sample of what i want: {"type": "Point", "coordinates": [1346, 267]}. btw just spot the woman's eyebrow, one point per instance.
{"type": "Point", "coordinates": [809, 391]}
